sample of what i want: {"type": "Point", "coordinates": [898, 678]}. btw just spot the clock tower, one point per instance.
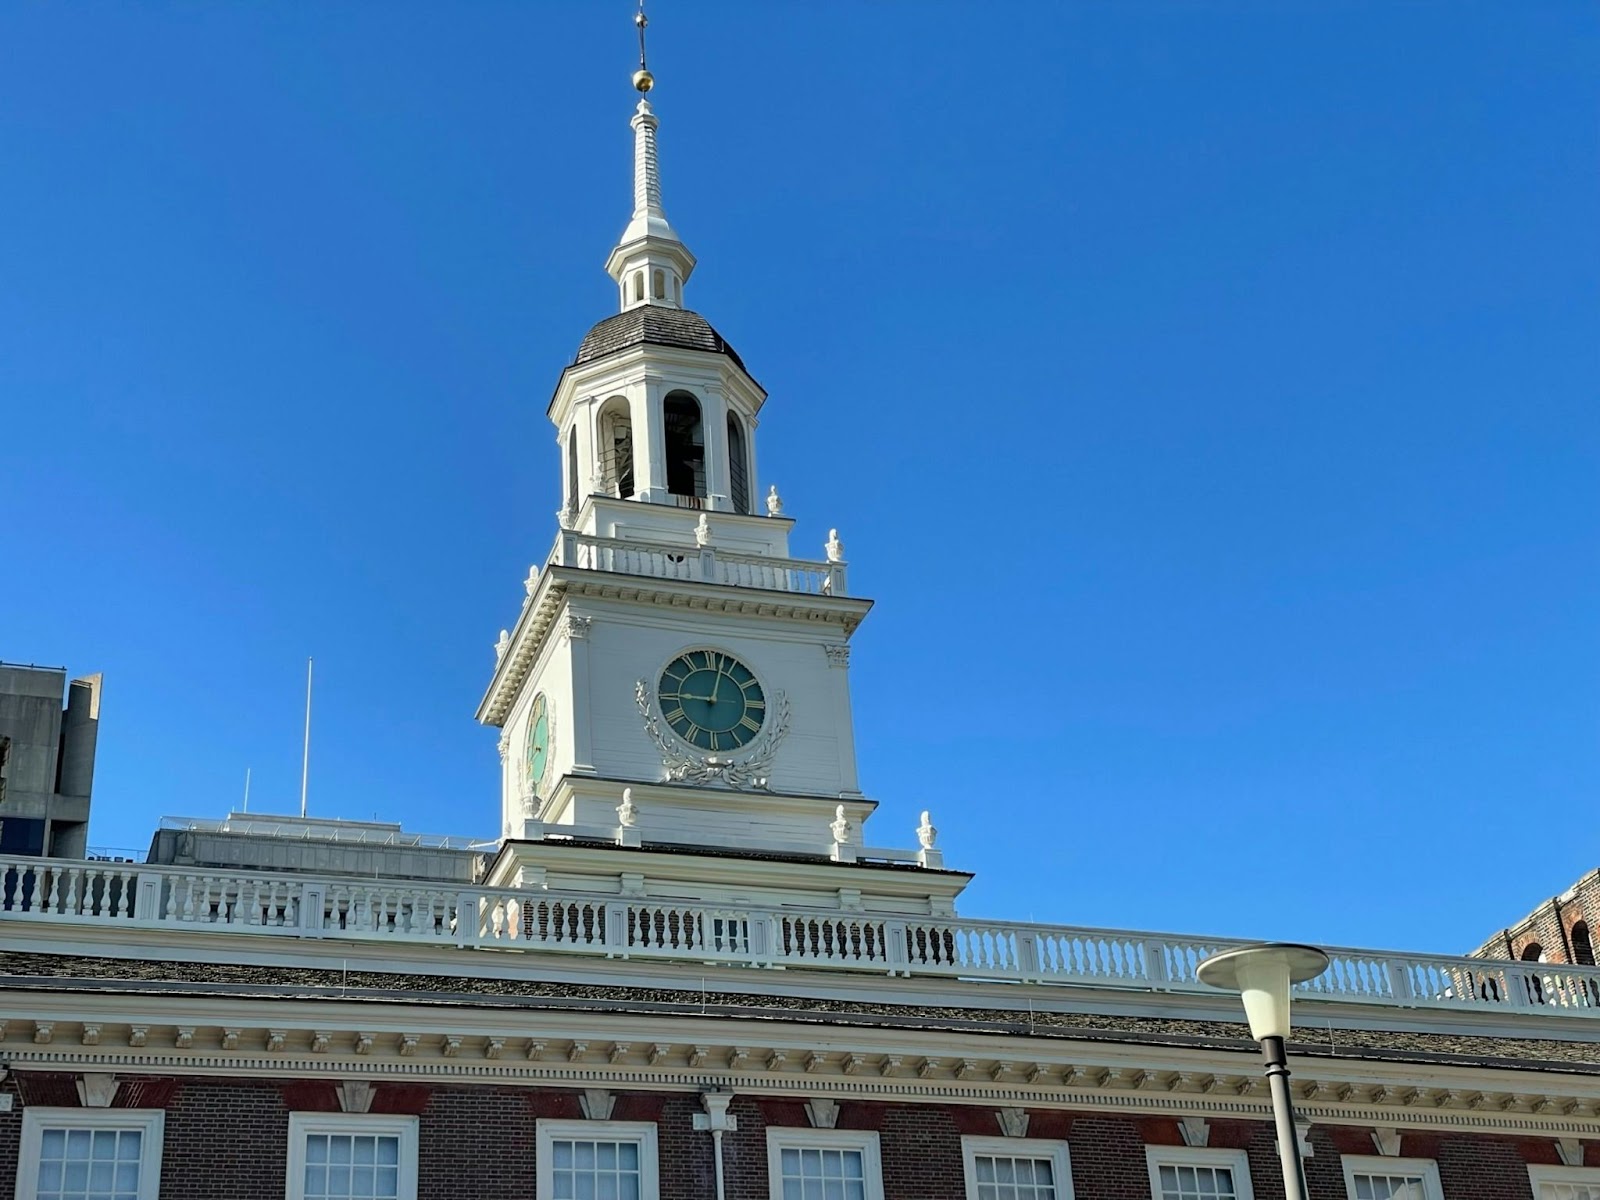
{"type": "Point", "coordinates": [674, 677]}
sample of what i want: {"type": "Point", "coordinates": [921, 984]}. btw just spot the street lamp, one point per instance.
{"type": "Point", "coordinates": [1263, 975]}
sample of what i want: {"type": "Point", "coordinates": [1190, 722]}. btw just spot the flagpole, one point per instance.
{"type": "Point", "coordinates": [246, 807]}
{"type": "Point", "coordinates": [305, 761]}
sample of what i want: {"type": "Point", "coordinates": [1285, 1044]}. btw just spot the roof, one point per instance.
{"type": "Point", "coordinates": [147, 975]}
{"type": "Point", "coordinates": [653, 325]}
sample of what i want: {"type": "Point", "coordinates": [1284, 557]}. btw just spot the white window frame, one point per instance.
{"type": "Point", "coordinates": [149, 1122]}
{"type": "Point", "coordinates": [1010, 1147]}
{"type": "Point", "coordinates": [1580, 1176]}
{"type": "Point", "coordinates": [793, 1137]}
{"type": "Point", "coordinates": [1236, 1161]}
{"type": "Point", "coordinates": [642, 1133]}
{"type": "Point", "coordinates": [302, 1124]}
{"type": "Point", "coordinates": [1378, 1164]}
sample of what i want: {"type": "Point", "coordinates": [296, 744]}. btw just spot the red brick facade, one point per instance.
{"type": "Point", "coordinates": [226, 1140]}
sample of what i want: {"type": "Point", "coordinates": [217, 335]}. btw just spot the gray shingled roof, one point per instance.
{"type": "Point", "coordinates": [654, 325]}
{"type": "Point", "coordinates": [50, 971]}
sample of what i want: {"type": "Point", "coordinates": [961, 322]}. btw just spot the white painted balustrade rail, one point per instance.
{"type": "Point", "coordinates": [699, 564]}
{"type": "Point", "coordinates": [138, 896]}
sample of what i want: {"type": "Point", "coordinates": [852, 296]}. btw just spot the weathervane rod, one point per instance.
{"type": "Point", "coordinates": [643, 81]}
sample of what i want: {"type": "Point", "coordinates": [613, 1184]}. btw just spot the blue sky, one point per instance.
{"type": "Point", "coordinates": [1204, 391]}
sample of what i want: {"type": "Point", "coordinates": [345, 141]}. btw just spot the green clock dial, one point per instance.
{"type": "Point", "coordinates": [712, 700]}
{"type": "Point", "coordinates": [538, 751]}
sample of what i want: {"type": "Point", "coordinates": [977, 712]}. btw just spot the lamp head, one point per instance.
{"type": "Point", "coordinates": [1263, 975]}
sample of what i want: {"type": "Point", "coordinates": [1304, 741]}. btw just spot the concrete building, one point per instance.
{"type": "Point", "coordinates": [688, 970]}
{"type": "Point", "coordinates": [48, 731]}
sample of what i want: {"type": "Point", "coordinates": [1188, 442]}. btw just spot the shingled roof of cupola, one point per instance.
{"type": "Point", "coordinates": [653, 325]}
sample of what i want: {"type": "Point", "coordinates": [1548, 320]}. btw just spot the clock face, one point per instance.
{"type": "Point", "coordinates": [538, 742]}
{"type": "Point", "coordinates": [712, 700]}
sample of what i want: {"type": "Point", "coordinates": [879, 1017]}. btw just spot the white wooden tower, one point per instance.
{"type": "Point", "coordinates": [674, 677]}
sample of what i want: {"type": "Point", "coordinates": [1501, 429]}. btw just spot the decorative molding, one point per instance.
{"type": "Point", "coordinates": [838, 655]}
{"type": "Point", "coordinates": [1387, 1141]}
{"type": "Point", "coordinates": [822, 1112]}
{"type": "Point", "coordinates": [1570, 1151]}
{"type": "Point", "coordinates": [1195, 1131]}
{"type": "Point", "coordinates": [137, 1035]}
{"type": "Point", "coordinates": [182, 1039]}
{"type": "Point", "coordinates": [746, 772]}
{"type": "Point", "coordinates": [576, 626]}
{"type": "Point", "coordinates": [230, 1039]}
{"type": "Point", "coordinates": [321, 1039]}
{"type": "Point", "coordinates": [276, 1039]}
{"type": "Point", "coordinates": [363, 1043]}
{"type": "Point", "coordinates": [97, 1091]}
{"type": "Point", "coordinates": [597, 1103]}
{"type": "Point", "coordinates": [43, 1032]}
{"type": "Point", "coordinates": [355, 1096]}
{"type": "Point", "coordinates": [90, 1035]}
{"type": "Point", "coordinates": [450, 1046]}
{"type": "Point", "coordinates": [576, 1051]}
{"type": "Point", "coordinates": [815, 1061]}
{"type": "Point", "coordinates": [1302, 1137]}
{"type": "Point", "coordinates": [1013, 1121]}
{"type": "Point", "coordinates": [494, 1047]}
{"type": "Point", "coordinates": [535, 1051]}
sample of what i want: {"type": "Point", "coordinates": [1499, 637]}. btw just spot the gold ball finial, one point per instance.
{"type": "Point", "coordinates": [643, 81]}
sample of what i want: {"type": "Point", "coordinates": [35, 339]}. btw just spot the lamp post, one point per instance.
{"type": "Point", "coordinates": [1264, 975]}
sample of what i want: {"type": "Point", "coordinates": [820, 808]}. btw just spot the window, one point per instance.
{"type": "Point", "coordinates": [90, 1154]}
{"type": "Point", "coordinates": [738, 470]}
{"type": "Point", "coordinates": [658, 286]}
{"type": "Point", "coordinates": [1192, 1173]}
{"type": "Point", "coordinates": [1374, 1178]}
{"type": "Point", "coordinates": [616, 448]}
{"type": "Point", "coordinates": [685, 446]}
{"type": "Point", "coordinates": [1582, 946]}
{"type": "Point", "coordinates": [572, 471]}
{"type": "Point", "coordinates": [597, 1160]}
{"type": "Point", "coordinates": [823, 1164]}
{"type": "Point", "coordinates": [1565, 1183]}
{"type": "Point", "coordinates": [352, 1156]}
{"type": "Point", "coordinates": [1004, 1168]}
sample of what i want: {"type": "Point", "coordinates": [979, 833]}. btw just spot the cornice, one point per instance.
{"type": "Point", "coordinates": [558, 585]}
{"type": "Point", "coordinates": [691, 1056]}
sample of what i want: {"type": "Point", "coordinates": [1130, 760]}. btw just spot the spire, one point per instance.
{"type": "Point", "coordinates": [650, 262]}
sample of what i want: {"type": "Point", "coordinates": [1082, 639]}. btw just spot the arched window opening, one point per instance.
{"type": "Point", "coordinates": [572, 471]}
{"type": "Point", "coordinates": [638, 286]}
{"type": "Point", "coordinates": [658, 286]}
{"type": "Point", "coordinates": [738, 465]}
{"type": "Point", "coordinates": [677, 296]}
{"type": "Point", "coordinates": [1533, 952]}
{"type": "Point", "coordinates": [685, 446]}
{"type": "Point", "coordinates": [616, 448]}
{"type": "Point", "coordinates": [1582, 945]}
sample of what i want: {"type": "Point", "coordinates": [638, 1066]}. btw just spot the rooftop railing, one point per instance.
{"type": "Point", "coordinates": [699, 564]}
{"type": "Point", "coordinates": [60, 892]}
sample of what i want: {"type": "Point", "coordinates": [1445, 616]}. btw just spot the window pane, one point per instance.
{"type": "Point", "coordinates": [1182, 1181]}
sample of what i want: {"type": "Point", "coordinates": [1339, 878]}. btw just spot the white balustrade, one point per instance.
{"type": "Point", "coordinates": [703, 564]}
{"type": "Point", "coordinates": [135, 896]}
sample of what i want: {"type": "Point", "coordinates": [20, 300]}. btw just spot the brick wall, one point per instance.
{"type": "Point", "coordinates": [226, 1139]}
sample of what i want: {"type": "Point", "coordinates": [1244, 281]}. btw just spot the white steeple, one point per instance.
{"type": "Point", "coordinates": [650, 262]}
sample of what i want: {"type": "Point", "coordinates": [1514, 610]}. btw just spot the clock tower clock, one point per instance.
{"type": "Point", "coordinates": [674, 676]}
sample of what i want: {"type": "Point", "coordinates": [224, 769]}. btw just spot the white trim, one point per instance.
{"type": "Point", "coordinates": [1236, 1161]}
{"type": "Point", "coordinates": [789, 1137]}
{"type": "Point", "coordinates": [368, 1124]}
{"type": "Point", "coordinates": [1577, 1176]}
{"type": "Point", "coordinates": [149, 1122]}
{"type": "Point", "coordinates": [1424, 1169]}
{"type": "Point", "coordinates": [1009, 1147]}
{"type": "Point", "coordinates": [641, 1133]}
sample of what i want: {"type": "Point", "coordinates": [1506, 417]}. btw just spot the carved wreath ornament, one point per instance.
{"type": "Point", "coordinates": [746, 772]}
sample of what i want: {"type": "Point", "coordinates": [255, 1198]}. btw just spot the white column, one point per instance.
{"type": "Point", "coordinates": [649, 441]}
{"type": "Point", "coordinates": [580, 725]}
{"type": "Point", "coordinates": [714, 432]}
{"type": "Point", "coordinates": [843, 722]}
